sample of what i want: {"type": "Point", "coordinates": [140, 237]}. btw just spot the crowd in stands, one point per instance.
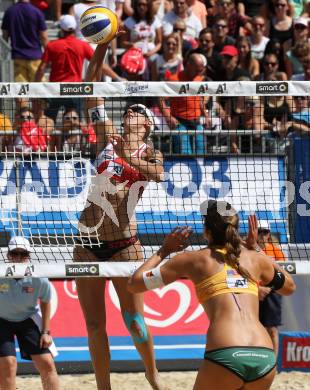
{"type": "Point", "coordinates": [176, 40]}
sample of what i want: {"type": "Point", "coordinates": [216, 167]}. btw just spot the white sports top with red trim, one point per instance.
{"type": "Point", "coordinates": [109, 161]}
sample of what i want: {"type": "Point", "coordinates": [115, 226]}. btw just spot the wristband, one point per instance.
{"type": "Point", "coordinates": [152, 278]}
{"type": "Point", "coordinates": [45, 332]}
{"type": "Point", "coordinates": [98, 114]}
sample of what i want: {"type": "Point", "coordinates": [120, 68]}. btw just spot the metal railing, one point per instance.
{"type": "Point", "coordinates": [6, 63]}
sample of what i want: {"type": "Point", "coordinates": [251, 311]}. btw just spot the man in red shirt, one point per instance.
{"type": "Point", "coordinates": [65, 55]}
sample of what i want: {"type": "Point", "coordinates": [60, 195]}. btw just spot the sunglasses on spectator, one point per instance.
{"type": "Point", "coordinates": [301, 97]}
{"type": "Point", "coordinates": [300, 27]}
{"type": "Point", "coordinates": [142, 4]}
{"type": "Point", "coordinates": [280, 5]}
{"type": "Point", "coordinates": [171, 43]}
{"type": "Point", "coordinates": [220, 26]}
{"type": "Point", "coordinates": [270, 63]}
{"type": "Point", "coordinates": [69, 118]}
{"type": "Point", "coordinates": [177, 29]}
{"type": "Point", "coordinates": [223, 3]}
{"type": "Point", "coordinates": [26, 117]}
{"type": "Point", "coordinates": [22, 254]}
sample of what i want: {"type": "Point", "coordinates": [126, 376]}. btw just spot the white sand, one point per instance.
{"type": "Point", "coordinates": [172, 380]}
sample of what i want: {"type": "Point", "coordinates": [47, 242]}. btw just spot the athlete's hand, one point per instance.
{"type": "Point", "coordinates": [263, 292]}
{"type": "Point", "coordinates": [252, 237]}
{"type": "Point", "coordinates": [177, 240]}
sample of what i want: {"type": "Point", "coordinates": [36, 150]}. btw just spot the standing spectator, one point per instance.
{"type": "Point", "coordinates": [184, 113]}
{"type": "Point", "coordinates": [21, 316]}
{"type": "Point", "coordinates": [220, 35]}
{"type": "Point", "coordinates": [270, 306]}
{"type": "Point", "coordinates": [246, 61]}
{"type": "Point", "coordinates": [65, 55]}
{"type": "Point", "coordinates": [236, 22]}
{"type": "Point", "coordinates": [182, 11]}
{"type": "Point", "coordinates": [200, 10]}
{"type": "Point", "coordinates": [258, 39]}
{"type": "Point", "coordinates": [24, 26]}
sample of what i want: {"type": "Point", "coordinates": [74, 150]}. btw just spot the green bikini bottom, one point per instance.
{"type": "Point", "coordinates": [248, 363]}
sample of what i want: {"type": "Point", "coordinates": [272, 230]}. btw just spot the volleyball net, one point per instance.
{"type": "Point", "coordinates": [243, 142]}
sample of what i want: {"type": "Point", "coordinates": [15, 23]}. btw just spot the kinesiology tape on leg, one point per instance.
{"type": "Point", "coordinates": [138, 319]}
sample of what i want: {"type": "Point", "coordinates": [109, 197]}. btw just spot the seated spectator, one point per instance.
{"type": "Point", "coordinates": [246, 62]}
{"type": "Point", "coordinates": [247, 113]}
{"type": "Point", "coordinates": [212, 10]}
{"type": "Point", "coordinates": [182, 11]}
{"type": "Point", "coordinates": [170, 62]}
{"type": "Point", "coordinates": [5, 123]}
{"type": "Point", "coordinates": [205, 47]}
{"type": "Point", "coordinates": [187, 43]}
{"type": "Point", "coordinates": [31, 137]}
{"type": "Point", "coordinates": [143, 30]}
{"type": "Point", "coordinates": [74, 135]}
{"type": "Point", "coordinates": [200, 10]}
{"type": "Point", "coordinates": [184, 113]}
{"type": "Point", "coordinates": [280, 25]}
{"type": "Point", "coordinates": [249, 8]}
{"type": "Point", "coordinates": [229, 70]}
{"type": "Point", "coordinates": [306, 70]}
{"type": "Point", "coordinates": [258, 39]}
{"type": "Point", "coordinates": [237, 23]}
{"type": "Point", "coordinates": [300, 33]}
{"type": "Point", "coordinates": [274, 46]}
{"type": "Point", "coordinates": [47, 124]}
{"type": "Point", "coordinates": [300, 116]}
{"type": "Point", "coordinates": [161, 7]}
{"type": "Point", "coordinates": [270, 69]}
{"type": "Point", "coordinates": [293, 59]}
{"type": "Point", "coordinates": [220, 35]}
{"type": "Point", "coordinates": [6, 140]}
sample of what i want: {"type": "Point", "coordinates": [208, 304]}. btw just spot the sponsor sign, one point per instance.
{"type": "Point", "coordinates": [295, 351]}
{"type": "Point", "coordinates": [82, 269]}
{"type": "Point", "coordinates": [288, 266]}
{"type": "Point", "coordinates": [270, 88]}
{"type": "Point", "coordinates": [72, 89]}
{"type": "Point", "coordinates": [170, 310]}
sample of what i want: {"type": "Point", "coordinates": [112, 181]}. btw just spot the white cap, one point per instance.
{"type": "Point", "coordinates": [148, 113]}
{"type": "Point", "coordinates": [263, 224]}
{"type": "Point", "coordinates": [302, 21]}
{"type": "Point", "coordinates": [19, 242]}
{"type": "Point", "coordinates": [67, 22]}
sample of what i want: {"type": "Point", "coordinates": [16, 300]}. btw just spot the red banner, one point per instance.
{"type": "Point", "coordinates": [171, 310]}
{"type": "Point", "coordinates": [296, 352]}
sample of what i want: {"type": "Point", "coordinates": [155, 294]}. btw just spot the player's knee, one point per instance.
{"type": "Point", "coordinates": [95, 326]}
{"type": "Point", "coordinates": [136, 326]}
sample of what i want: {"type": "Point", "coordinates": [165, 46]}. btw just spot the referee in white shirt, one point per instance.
{"type": "Point", "coordinates": [20, 317]}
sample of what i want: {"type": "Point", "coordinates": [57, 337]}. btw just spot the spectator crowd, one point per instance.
{"type": "Point", "coordinates": [176, 40]}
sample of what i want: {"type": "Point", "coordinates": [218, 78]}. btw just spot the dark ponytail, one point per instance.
{"type": "Point", "coordinates": [233, 250]}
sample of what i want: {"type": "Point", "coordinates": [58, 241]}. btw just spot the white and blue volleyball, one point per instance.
{"type": "Point", "coordinates": [98, 24]}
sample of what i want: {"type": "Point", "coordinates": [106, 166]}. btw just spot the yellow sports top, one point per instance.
{"type": "Point", "coordinates": [226, 281]}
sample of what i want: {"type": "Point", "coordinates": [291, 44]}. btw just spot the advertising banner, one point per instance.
{"type": "Point", "coordinates": [294, 351]}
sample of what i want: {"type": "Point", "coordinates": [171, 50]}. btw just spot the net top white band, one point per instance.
{"type": "Point", "coordinates": [169, 89]}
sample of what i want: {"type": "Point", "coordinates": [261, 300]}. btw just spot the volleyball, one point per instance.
{"type": "Point", "coordinates": [99, 24]}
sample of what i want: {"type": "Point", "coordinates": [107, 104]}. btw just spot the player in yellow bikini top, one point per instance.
{"type": "Point", "coordinates": [226, 281]}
